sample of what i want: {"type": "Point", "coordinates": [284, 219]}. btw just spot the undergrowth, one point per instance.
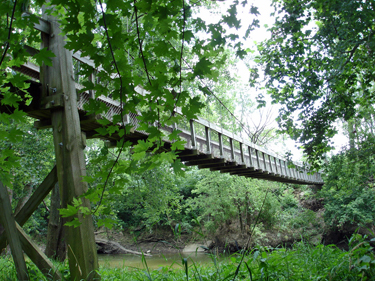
{"type": "Point", "coordinates": [301, 262]}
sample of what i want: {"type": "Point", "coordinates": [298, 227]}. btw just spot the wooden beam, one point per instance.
{"type": "Point", "coordinates": [11, 233]}
{"type": "Point", "coordinates": [70, 161]}
{"type": "Point", "coordinates": [42, 25]}
{"type": "Point", "coordinates": [32, 204]}
{"type": "Point", "coordinates": [37, 256]}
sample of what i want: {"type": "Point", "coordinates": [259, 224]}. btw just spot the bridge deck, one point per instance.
{"type": "Point", "coordinates": [207, 145]}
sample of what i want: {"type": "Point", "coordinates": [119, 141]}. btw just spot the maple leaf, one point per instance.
{"type": "Point", "coordinates": [44, 56]}
{"type": "Point", "coordinates": [202, 68]}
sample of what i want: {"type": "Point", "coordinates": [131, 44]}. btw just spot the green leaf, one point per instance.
{"type": "Point", "coordinates": [44, 56]}
{"type": "Point", "coordinates": [75, 223]}
{"type": "Point", "coordinates": [69, 211]}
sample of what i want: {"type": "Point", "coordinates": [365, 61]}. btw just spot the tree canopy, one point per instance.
{"type": "Point", "coordinates": [319, 65]}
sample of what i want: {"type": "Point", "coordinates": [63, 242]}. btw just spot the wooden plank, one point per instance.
{"type": "Point", "coordinates": [31, 205]}
{"type": "Point", "coordinates": [205, 162]}
{"type": "Point", "coordinates": [39, 194]}
{"type": "Point", "coordinates": [42, 25]}
{"type": "Point", "coordinates": [11, 233]}
{"type": "Point", "coordinates": [70, 161]}
{"type": "Point", "coordinates": [37, 256]}
{"type": "Point", "coordinates": [34, 201]}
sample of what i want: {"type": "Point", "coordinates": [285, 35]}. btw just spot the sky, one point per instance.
{"type": "Point", "coordinates": [265, 9]}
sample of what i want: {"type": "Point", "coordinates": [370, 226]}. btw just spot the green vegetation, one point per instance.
{"type": "Point", "coordinates": [301, 262]}
{"type": "Point", "coordinates": [318, 65]}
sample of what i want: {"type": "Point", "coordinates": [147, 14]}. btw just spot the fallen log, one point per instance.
{"type": "Point", "coordinates": [112, 247]}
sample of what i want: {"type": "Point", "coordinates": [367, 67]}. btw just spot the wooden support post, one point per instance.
{"type": "Point", "coordinates": [264, 162]}
{"type": "Point", "coordinates": [231, 150]}
{"type": "Point", "coordinates": [221, 148]}
{"type": "Point", "coordinates": [70, 161]}
{"type": "Point", "coordinates": [257, 157]}
{"type": "Point", "coordinates": [11, 233]}
{"type": "Point", "coordinates": [192, 135]}
{"type": "Point", "coordinates": [288, 174]}
{"type": "Point", "coordinates": [242, 154]}
{"type": "Point", "coordinates": [208, 140]}
{"type": "Point", "coordinates": [37, 256]}
{"type": "Point", "coordinates": [277, 172]}
{"type": "Point", "coordinates": [281, 169]}
{"type": "Point", "coordinates": [270, 161]}
{"type": "Point", "coordinates": [32, 204]}
{"type": "Point", "coordinates": [250, 156]}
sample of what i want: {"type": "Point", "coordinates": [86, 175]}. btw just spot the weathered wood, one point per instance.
{"type": "Point", "coordinates": [70, 162]}
{"type": "Point", "coordinates": [242, 154]}
{"type": "Point", "coordinates": [231, 144]}
{"type": "Point", "coordinates": [258, 160]}
{"type": "Point", "coordinates": [55, 246]}
{"type": "Point", "coordinates": [37, 256]}
{"type": "Point", "coordinates": [32, 204]}
{"type": "Point", "coordinates": [10, 230]}
{"type": "Point", "coordinates": [208, 140]}
{"type": "Point", "coordinates": [42, 25]}
{"type": "Point", "coordinates": [221, 147]}
{"type": "Point", "coordinates": [270, 161]}
{"type": "Point", "coordinates": [193, 136]}
{"type": "Point", "coordinates": [117, 248]}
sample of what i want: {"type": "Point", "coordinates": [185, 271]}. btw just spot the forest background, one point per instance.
{"type": "Point", "coordinates": [317, 65]}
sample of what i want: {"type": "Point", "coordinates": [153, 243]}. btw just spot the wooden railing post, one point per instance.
{"type": "Point", "coordinates": [208, 140]}
{"type": "Point", "coordinates": [270, 161]}
{"type": "Point", "coordinates": [231, 150]}
{"type": "Point", "coordinates": [221, 148]}
{"type": "Point", "coordinates": [192, 134]}
{"type": "Point", "coordinates": [242, 154]}
{"type": "Point", "coordinates": [258, 161]}
{"type": "Point", "coordinates": [250, 156]}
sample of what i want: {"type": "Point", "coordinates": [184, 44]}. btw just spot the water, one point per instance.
{"type": "Point", "coordinates": [156, 261]}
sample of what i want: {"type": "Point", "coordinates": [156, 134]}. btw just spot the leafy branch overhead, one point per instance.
{"type": "Point", "coordinates": [319, 65]}
{"type": "Point", "coordinates": [152, 44]}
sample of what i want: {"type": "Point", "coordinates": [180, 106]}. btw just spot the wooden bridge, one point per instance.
{"type": "Point", "coordinates": [58, 103]}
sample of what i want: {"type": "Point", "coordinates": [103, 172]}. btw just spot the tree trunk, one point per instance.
{"type": "Point", "coordinates": [56, 246]}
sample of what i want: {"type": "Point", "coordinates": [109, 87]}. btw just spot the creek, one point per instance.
{"type": "Point", "coordinates": [173, 260]}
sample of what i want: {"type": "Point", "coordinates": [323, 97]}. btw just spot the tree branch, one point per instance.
{"type": "Point", "coordinates": [9, 33]}
{"type": "Point", "coordinates": [140, 43]}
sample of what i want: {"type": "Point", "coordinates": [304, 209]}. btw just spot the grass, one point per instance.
{"type": "Point", "coordinates": [302, 262]}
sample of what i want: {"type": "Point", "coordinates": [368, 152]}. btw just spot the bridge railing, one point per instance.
{"type": "Point", "coordinates": [229, 152]}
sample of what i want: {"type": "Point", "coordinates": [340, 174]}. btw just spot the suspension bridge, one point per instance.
{"type": "Point", "coordinates": [58, 103]}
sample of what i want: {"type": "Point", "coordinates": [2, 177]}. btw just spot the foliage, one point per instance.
{"type": "Point", "coordinates": [319, 65]}
{"type": "Point", "coordinates": [349, 187]}
{"type": "Point", "coordinates": [222, 198]}
{"type": "Point", "coordinates": [302, 262]}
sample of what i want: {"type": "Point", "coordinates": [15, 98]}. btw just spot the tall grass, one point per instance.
{"type": "Point", "coordinates": [301, 262]}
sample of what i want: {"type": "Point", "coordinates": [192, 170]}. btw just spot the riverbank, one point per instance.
{"type": "Point", "coordinates": [300, 262]}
